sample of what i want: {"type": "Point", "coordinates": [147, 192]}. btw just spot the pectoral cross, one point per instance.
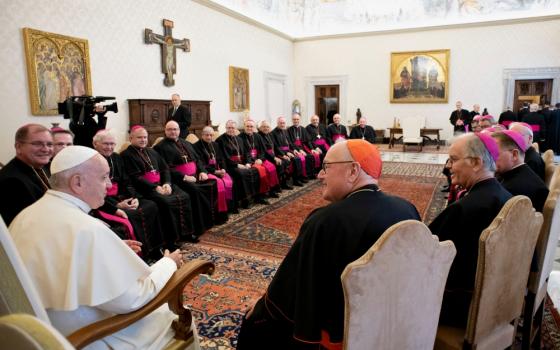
{"type": "Point", "coordinates": [169, 47]}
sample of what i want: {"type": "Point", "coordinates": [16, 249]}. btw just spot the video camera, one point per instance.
{"type": "Point", "coordinates": [81, 108]}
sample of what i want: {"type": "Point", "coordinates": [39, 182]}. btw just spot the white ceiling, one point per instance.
{"type": "Point", "coordinates": [300, 19]}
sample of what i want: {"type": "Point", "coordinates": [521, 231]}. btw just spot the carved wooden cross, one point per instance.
{"type": "Point", "coordinates": [169, 47]}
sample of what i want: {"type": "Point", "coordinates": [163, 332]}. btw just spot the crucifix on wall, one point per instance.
{"type": "Point", "coordinates": [169, 47]}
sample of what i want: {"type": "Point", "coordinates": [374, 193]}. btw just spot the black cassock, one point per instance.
{"type": "Point", "coordinates": [367, 133]}
{"type": "Point", "coordinates": [318, 136]}
{"type": "Point", "coordinates": [523, 181]}
{"type": "Point", "coordinates": [462, 222]}
{"type": "Point", "coordinates": [271, 151]}
{"type": "Point", "coordinates": [335, 132]}
{"type": "Point", "coordinates": [305, 296]}
{"type": "Point", "coordinates": [507, 117]}
{"type": "Point", "coordinates": [175, 209]}
{"type": "Point", "coordinates": [203, 194]}
{"type": "Point", "coordinates": [245, 181]}
{"type": "Point", "coordinates": [534, 160]}
{"type": "Point", "coordinates": [300, 140]}
{"type": "Point", "coordinates": [144, 219]}
{"type": "Point", "coordinates": [21, 186]}
{"type": "Point", "coordinates": [283, 146]}
{"type": "Point", "coordinates": [553, 137]}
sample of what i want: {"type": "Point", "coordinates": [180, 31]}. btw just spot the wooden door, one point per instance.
{"type": "Point", "coordinates": [532, 91]}
{"type": "Point", "coordinates": [326, 102]}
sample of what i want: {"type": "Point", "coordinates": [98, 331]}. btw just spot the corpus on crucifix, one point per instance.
{"type": "Point", "coordinates": [169, 47]}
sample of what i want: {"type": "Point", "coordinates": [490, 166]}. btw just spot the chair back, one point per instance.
{"type": "Point", "coordinates": [393, 293]}
{"type": "Point", "coordinates": [157, 140]}
{"type": "Point", "coordinates": [411, 129]}
{"type": "Point", "coordinates": [124, 146]}
{"type": "Point", "coordinates": [192, 138]}
{"type": "Point", "coordinates": [549, 167]}
{"type": "Point", "coordinates": [499, 289]}
{"type": "Point", "coordinates": [25, 332]}
{"type": "Point", "coordinates": [536, 146]}
{"type": "Point", "coordinates": [17, 292]}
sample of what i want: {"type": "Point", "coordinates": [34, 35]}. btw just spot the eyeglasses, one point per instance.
{"type": "Point", "coordinates": [39, 144]}
{"type": "Point", "coordinates": [341, 162]}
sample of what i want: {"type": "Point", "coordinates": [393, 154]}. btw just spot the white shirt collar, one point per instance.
{"type": "Point", "coordinates": [70, 198]}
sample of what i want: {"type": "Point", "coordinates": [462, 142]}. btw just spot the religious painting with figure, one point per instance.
{"type": "Point", "coordinates": [57, 67]}
{"type": "Point", "coordinates": [238, 89]}
{"type": "Point", "coordinates": [420, 77]}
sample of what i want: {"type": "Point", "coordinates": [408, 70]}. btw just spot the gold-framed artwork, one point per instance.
{"type": "Point", "coordinates": [419, 76]}
{"type": "Point", "coordinates": [238, 89]}
{"type": "Point", "coordinates": [57, 67]}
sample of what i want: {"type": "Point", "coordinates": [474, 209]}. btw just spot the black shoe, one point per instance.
{"type": "Point", "coordinates": [297, 183]}
{"type": "Point", "coordinates": [192, 239]}
{"type": "Point", "coordinates": [273, 195]}
{"type": "Point", "coordinates": [261, 200]}
{"type": "Point", "coordinates": [286, 187]}
{"type": "Point", "coordinates": [304, 180]}
{"type": "Point", "coordinates": [234, 211]}
{"type": "Point", "coordinates": [244, 204]}
{"type": "Point", "coordinates": [445, 189]}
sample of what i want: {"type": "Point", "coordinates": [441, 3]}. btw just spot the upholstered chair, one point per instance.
{"type": "Point", "coordinates": [26, 332]}
{"type": "Point", "coordinates": [411, 131]}
{"type": "Point", "coordinates": [192, 138]}
{"type": "Point", "coordinates": [545, 252]}
{"type": "Point", "coordinates": [393, 293]}
{"type": "Point", "coordinates": [549, 167]}
{"type": "Point", "coordinates": [124, 146]}
{"type": "Point", "coordinates": [504, 257]}
{"type": "Point", "coordinates": [18, 295]}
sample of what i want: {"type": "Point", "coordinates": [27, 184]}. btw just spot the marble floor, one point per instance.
{"type": "Point", "coordinates": [439, 158]}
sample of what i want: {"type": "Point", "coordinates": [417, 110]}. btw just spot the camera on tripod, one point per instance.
{"type": "Point", "coordinates": [80, 108]}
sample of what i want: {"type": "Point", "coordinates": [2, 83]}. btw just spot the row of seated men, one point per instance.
{"type": "Point", "coordinates": [304, 304]}
{"type": "Point", "coordinates": [544, 122]}
{"type": "Point", "coordinates": [174, 192]}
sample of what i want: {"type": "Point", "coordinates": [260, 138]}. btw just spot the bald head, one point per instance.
{"type": "Point", "coordinates": [172, 130]}
{"type": "Point", "coordinates": [139, 137]}
{"type": "Point", "coordinates": [315, 120]}
{"type": "Point", "coordinates": [281, 123]}
{"type": "Point", "coordinates": [336, 119]}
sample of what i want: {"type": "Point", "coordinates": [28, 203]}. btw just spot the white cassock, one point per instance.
{"type": "Point", "coordinates": [84, 273]}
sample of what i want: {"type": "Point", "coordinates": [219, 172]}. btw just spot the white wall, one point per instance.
{"type": "Point", "coordinates": [123, 66]}
{"type": "Point", "coordinates": [477, 59]}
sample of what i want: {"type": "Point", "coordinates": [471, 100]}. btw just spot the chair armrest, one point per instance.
{"type": "Point", "coordinates": [172, 293]}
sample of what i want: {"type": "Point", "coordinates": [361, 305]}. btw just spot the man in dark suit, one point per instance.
{"type": "Point", "coordinates": [23, 180]}
{"type": "Point", "coordinates": [180, 114]}
{"type": "Point", "coordinates": [459, 118]}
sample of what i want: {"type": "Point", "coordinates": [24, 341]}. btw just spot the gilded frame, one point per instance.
{"type": "Point", "coordinates": [419, 77]}
{"type": "Point", "coordinates": [57, 67]}
{"type": "Point", "coordinates": [238, 89]}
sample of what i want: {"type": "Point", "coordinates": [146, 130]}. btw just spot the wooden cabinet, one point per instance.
{"type": "Point", "coordinates": [152, 114]}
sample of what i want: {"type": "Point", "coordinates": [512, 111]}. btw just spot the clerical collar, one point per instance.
{"type": "Point", "coordinates": [70, 198]}
{"type": "Point", "coordinates": [366, 188]}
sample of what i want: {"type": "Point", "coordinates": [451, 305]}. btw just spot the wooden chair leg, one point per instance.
{"type": "Point", "coordinates": [527, 332]}
{"type": "Point", "coordinates": [537, 327]}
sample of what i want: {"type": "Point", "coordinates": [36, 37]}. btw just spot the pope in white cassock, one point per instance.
{"type": "Point", "coordinates": [81, 269]}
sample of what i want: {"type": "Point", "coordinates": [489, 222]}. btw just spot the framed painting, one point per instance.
{"type": "Point", "coordinates": [420, 76]}
{"type": "Point", "coordinates": [57, 68]}
{"type": "Point", "coordinates": [238, 89]}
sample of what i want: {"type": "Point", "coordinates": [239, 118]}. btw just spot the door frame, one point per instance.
{"type": "Point", "coordinates": [511, 75]}
{"type": "Point", "coordinates": [310, 82]}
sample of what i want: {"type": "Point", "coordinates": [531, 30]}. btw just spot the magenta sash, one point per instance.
{"type": "Point", "coordinates": [221, 185]}
{"type": "Point", "coordinates": [152, 176]}
{"type": "Point", "coordinates": [322, 142]}
{"type": "Point", "coordinates": [212, 162]}
{"type": "Point", "coordinates": [535, 127]}
{"type": "Point", "coordinates": [338, 136]}
{"type": "Point", "coordinates": [298, 143]}
{"type": "Point", "coordinates": [317, 160]}
{"type": "Point", "coordinates": [254, 152]}
{"type": "Point", "coordinates": [188, 169]}
{"type": "Point", "coordinates": [270, 151]}
{"type": "Point", "coordinates": [303, 169]}
{"type": "Point", "coordinates": [466, 128]}
{"type": "Point", "coordinates": [125, 222]}
{"type": "Point", "coordinates": [284, 148]}
{"type": "Point", "coordinates": [113, 190]}
{"type": "Point", "coordinates": [506, 123]}
{"type": "Point", "coordinates": [236, 159]}
{"type": "Point", "coordinates": [271, 173]}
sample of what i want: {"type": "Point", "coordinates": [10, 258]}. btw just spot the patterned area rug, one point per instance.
{"type": "Point", "coordinates": [249, 248]}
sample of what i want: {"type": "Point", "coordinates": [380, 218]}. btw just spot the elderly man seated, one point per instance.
{"type": "Point", "coordinates": [513, 173]}
{"type": "Point", "coordinates": [23, 180]}
{"type": "Point", "coordinates": [532, 158]}
{"type": "Point", "coordinates": [304, 304]}
{"type": "Point", "coordinates": [472, 164]}
{"type": "Point", "coordinates": [82, 271]}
